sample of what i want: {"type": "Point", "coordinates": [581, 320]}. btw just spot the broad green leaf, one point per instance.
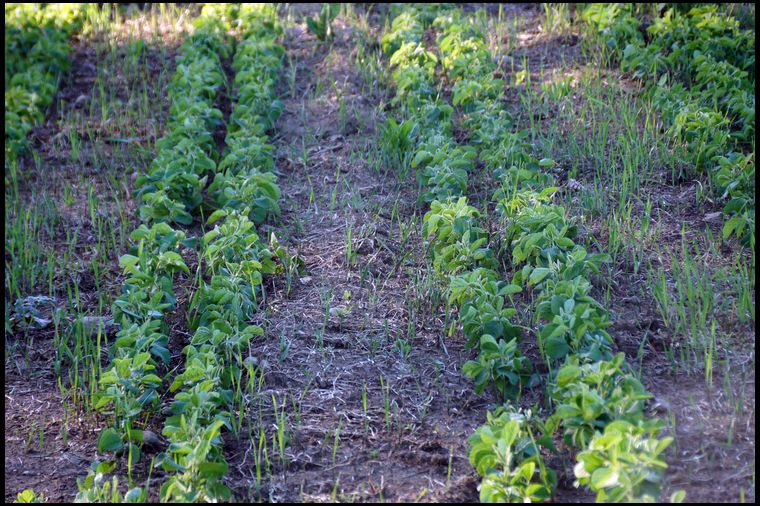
{"type": "Point", "coordinates": [109, 441]}
{"type": "Point", "coordinates": [556, 347]}
{"type": "Point", "coordinates": [538, 275]}
{"type": "Point", "coordinates": [604, 477]}
{"type": "Point", "coordinates": [213, 469]}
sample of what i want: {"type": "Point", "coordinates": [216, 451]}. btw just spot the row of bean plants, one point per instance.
{"type": "Point", "coordinates": [698, 67]}
{"type": "Point", "coordinates": [234, 258]}
{"type": "Point", "coordinates": [130, 386]}
{"type": "Point", "coordinates": [460, 246]}
{"type": "Point", "coordinates": [244, 189]}
{"type": "Point", "coordinates": [36, 54]}
{"type": "Point", "coordinates": [599, 404]}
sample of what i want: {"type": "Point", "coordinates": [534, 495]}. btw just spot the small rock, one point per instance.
{"type": "Point", "coordinates": [81, 99]}
{"type": "Point", "coordinates": [305, 280]}
{"type": "Point", "coordinates": [338, 311]}
{"type": "Point", "coordinates": [713, 217]}
{"type": "Point", "coordinates": [660, 405]}
{"type": "Point", "coordinates": [91, 324]}
{"type": "Point", "coordinates": [34, 303]}
{"type": "Point", "coordinates": [151, 441]}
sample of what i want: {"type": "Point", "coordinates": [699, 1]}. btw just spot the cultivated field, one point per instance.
{"type": "Point", "coordinates": [375, 252]}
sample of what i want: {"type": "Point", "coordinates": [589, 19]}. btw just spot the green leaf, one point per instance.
{"type": "Point", "coordinates": [161, 352]}
{"type": "Point", "coordinates": [109, 441]}
{"type": "Point", "coordinates": [134, 495]}
{"type": "Point", "coordinates": [510, 289]}
{"type": "Point", "coordinates": [190, 242]}
{"type": "Point", "coordinates": [731, 225]}
{"type": "Point", "coordinates": [604, 477]}
{"type": "Point", "coordinates": [488, 344]}
{"type": "Point", "coordinates": [104, 467]}
{"type": "Point", "coordinates": [510, 432]}
{"type": "Point", "coordinates": [556, 347]}
{"type": "Point", "coordinates": [213, 469]}
{"type": "Point", "coordinates": [216, 215]}
{"type": "Point", "coordinates": [126, 261]}
{"type": "Point", "coordinates": [538, 275]}
{"type": "Point", "coordinates": [103, 401]}
{"type": "Point", "coordinates": [27, 496]}
{"type": "Point", "coordinates": [546, 162]}
{"type": "Point", "coordinates": [151, 378]}
{"type": "Point", "coordinates": [567, 374]}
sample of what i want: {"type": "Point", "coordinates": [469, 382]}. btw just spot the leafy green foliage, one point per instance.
{"type": "Point", "coordinates": [536, 233]}
{"type": "Point", "coordinates": [592, 391]}
{"type": "Point", "coordinates": [499, 363]}
{"type": "Point", "coordinates": [623, 463]}
{"type": "Point", "coordinates": [736, 179]}
{"type": "Point", "coordinates": [506, 454]}
{"type": "Point", "coordinates": [244, 192]}
{"type": "Point", "coordinates": [29, 496]}
{"type": "Point", "coordinates": [96, 488]}
{"type": "Point", "coordinates": [482, 307]}
{"type": "Point", "coordinates": [235, 241]}
{"type": "Point", "coordinates": [455, 239]}
{"type": "Point", "coordinates": [173, 186]}
{"type": "Point", "coordinates": [36, 53]}
{"type": "Point", "coordinates": [198, 466]}
{"type": "Point", "coordinates": [322, 26]}
{"type": "Point", "coordinates": [699, 68]}
{"type": "Point", "coordinates": [128, 386]}
{"type": "Point", "coordinates": [615, 24]}
{"type": "Point", "coordinates": [148, 292]}
{"type": "Point", "coordinates": [589, 396]}
{"type": "Point", "coordinates": [407, 27]}
{"type": "Point", "coordinates": [577, 321]}
{"type": "Point", "coordinates": [258, 192]}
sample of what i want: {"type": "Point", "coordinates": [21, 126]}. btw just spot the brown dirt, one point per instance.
{"type": "Point", "coordinates": [713, 455]}
{"type": "Point", "coordinates": [46, 444]}
{"type": "Point", "coordinates": [408, 458]}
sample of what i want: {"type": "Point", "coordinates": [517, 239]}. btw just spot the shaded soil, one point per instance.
{"type": "Point", "coordinates": [47, 446]}
{"type": "Point", "coordinates": [340, 320]}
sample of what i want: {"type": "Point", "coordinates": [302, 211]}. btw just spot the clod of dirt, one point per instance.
{"type": "Point", "coordinates": [255, 362]}
{"type": "Point", "coordinates": [660, 405]}
{"type": "Point", "coordinates": [92, 324]}
{"type": "Point", "coordinates": [81, 99]}
{"type": "Point", "coordinates": [151, 442]}
{"type": "Point", "coordinates": [34, 311]}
